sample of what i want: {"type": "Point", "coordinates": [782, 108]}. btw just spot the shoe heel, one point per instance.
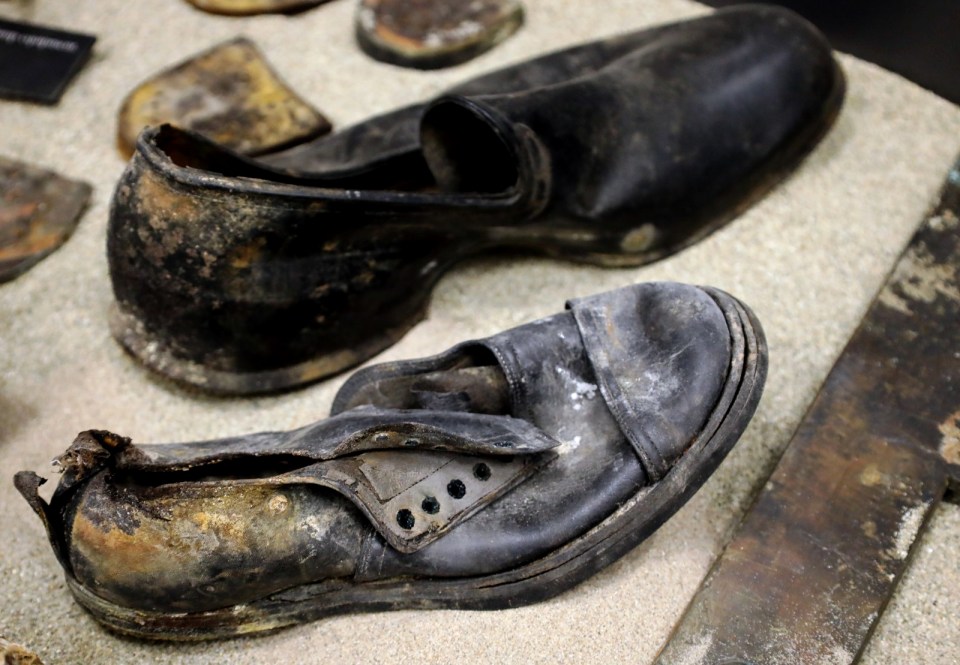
{"type": "Point", "coordinates": [240, 297]}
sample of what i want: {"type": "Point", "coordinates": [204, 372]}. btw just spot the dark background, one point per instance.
{"type": "Point", "coordinates": [919, 40]}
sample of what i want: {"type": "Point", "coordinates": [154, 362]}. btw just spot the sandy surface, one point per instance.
{"type": "Point", "coordinates": [920, 624]}
{"type": "Point", "coordinates": [808, 259]}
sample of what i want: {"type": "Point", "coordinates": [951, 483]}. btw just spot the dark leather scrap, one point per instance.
{"type": "Point", "coordinates": [39, 209]}
{"type": "Point", "coordinates": [813, 565]}
{"type": "Point", "coordinates": [435, 33]}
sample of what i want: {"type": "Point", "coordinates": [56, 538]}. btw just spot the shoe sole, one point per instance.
{"type": "Point", "coordinates": [539, 580]}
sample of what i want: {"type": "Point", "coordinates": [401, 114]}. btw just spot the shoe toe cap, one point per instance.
{"type": "Point", "coordinates": [661, 353]}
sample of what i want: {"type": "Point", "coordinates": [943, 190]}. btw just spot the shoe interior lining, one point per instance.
{"type": "Point", "coordinates": [240, 467]}
{"type": "Point", "coordinates": [482, 389]}
{"type": "Point", "coordinates": [465, 152]}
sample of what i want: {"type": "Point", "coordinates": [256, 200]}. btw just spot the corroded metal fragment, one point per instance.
{"type": "Point", "coordinates": [38, 211]}
{"type": "Point", "coordinates": [430, 34]}
{"type": "Point", "coordinates": [14, 654]}
{"type": "Point", "coordinates": [229, 94]}
{"type": "Point", "coordinates": [249, 7]}
{"type": "Point", "coordinates": [812, 567]}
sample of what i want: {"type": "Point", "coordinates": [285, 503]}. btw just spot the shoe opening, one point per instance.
{"type": "Point", "coordinates": [402, 172]}
{"type": "Point", "coordinates": [237, 467]}
{"type": "Point", "coordinates": [190, 150]}
{"type": "Point", "coordinates": [467, 147]}
{"type": "Point", "coordinates": [473, 382]}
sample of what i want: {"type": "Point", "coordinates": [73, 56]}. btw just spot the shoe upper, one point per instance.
{"type": "Point", "coordinates": [197, 526]}
{"type": "Point", "coordinates": [620, 379]}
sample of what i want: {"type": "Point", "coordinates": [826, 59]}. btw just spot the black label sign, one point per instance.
{"type": "Point", "coordinates": [37, 63]}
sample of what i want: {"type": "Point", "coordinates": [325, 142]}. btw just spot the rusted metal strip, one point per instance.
{"type": "Point", "coordinates": [816, 559]}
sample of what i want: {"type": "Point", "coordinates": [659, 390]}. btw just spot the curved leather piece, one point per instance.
{"type": "Point", "coordinates": [248, 276]}
{"type": "Point", "coordinates": [661, 381]}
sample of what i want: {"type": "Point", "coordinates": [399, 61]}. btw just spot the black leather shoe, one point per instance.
{"type": "Point", "coordinates": [242, 276]}
{"type": "Point", "coordinates": [499, 473]}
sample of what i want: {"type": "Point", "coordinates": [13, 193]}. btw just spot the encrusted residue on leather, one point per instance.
{"type": "Point", "coordinates": [435, 25]}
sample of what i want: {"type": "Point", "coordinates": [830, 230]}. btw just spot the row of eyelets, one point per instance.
{"type": "Point", "coordinates": [430, 505]}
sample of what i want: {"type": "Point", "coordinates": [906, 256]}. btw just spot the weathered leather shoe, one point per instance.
{"type": "Point", "coordinates": [496, 474]}
{"type": "Point", "coordinates": [242, 276]}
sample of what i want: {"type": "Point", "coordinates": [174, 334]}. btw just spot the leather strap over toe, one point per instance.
{"type": "Point", "coordinates": [668, 373]}
{"type": "Point", "coordinates": [648, 360]}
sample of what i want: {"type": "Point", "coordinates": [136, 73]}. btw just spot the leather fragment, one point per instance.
{"type": "Point", "coordinates": [229, 94]}
{"type": "Point", "coordinates": [14, 654]}
{"type": "Point", "coordinates": [809, 572]}
{"type": "Point", "coordinates": [38, 211]}
{"type": "Point", "coordinates": [430, 34]}
{"type": "Point", "coordinates": [250, 7]}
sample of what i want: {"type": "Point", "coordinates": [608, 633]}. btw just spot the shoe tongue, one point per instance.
{"type": "Point", "coordinates": [469, 146]}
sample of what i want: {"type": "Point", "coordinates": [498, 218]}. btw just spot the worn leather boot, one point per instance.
{"type": "Point", "coordinates": [249, 276]}
{"type": "Point", "coordinates": [496, 474]}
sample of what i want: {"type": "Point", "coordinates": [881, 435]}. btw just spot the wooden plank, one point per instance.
{"type": "Point", "coordinates": [816, 559]}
